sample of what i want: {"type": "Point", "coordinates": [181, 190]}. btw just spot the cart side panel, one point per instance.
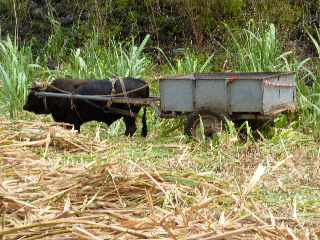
{"type": "Point", "coordinates": [278, 93]}
{"type": "Point", "coordinates": [245, 96]}
{"type": "Point", "coordinates": [270, 98]}
{"type": "Point", "coordinates": [176, 95]}
{"type": "Point", "coordinates": [287, 94]}
{"type": "Point", "coordinates": [211, 95]}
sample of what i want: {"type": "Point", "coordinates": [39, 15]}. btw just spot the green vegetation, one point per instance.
{"type": "Point", "coordinates": [94, 61]}
{"type": "Point", "coordinates": [209, 38]}
{"type": "Point", "coordinates": [250, 49]}
{"type": "Point", "coordinates": [170, 23]}
{"type": "Point", "coordinates": [17, 70]}
{"type": "Point", "coordinates": [256, 50]}
{"type": "Point", "coordinates": [189, 62]}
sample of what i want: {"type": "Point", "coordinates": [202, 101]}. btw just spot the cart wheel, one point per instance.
{"type": "Point", "coordinates": [212, 124]}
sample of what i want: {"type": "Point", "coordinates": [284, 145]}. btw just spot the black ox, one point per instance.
{"type": "Point", "coordinates": [79, 111]}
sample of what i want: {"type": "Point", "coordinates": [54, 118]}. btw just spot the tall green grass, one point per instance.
{"type": "Point", "coordinates": [95, 61]}
{"type": "Point", "coordinates": [309, 100]}
{"type": "Point", "coordinates": [128, 60]}
{"type": "Point", "coordinates": [89, 59]}
{"type": "Point", "coordinates": [56, 47]}
{"type": "Point", "coordinates": [255, 50]}
{"type": "Point", "coordinates": [16, 72]}
{"type": "Point", "coordinates": [190, 61]}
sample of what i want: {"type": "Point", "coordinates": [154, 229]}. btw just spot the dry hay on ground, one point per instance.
{"type": "Point", "coordinates": [40, 199]}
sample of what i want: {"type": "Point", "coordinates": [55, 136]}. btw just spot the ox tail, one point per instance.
{"type": "Point", "coordinates": [144, 131]}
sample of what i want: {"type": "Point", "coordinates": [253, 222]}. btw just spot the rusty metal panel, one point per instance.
{"type": "Point", "coordinates": [211, 95]}
{"type": "Point", "coordinates": [176, 95]}
{"type": "Point", "coordinates": [278, 92]}
{"type": "Point", "coordinates": [245, 96]}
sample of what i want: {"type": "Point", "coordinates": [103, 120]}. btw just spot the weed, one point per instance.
{"type": "Point", "coordinates": [190, 62]}
{"type": "Point", "coordinates": [97, 62]}
{"type": "Point", "coordinates": [128, 61]}
{"type": "Point", "coordinates": [16, 72]}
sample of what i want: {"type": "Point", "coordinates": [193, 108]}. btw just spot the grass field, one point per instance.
{"type": "Point", "coordinates": [55, 183]}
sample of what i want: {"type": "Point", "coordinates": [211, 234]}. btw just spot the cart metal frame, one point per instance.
{"type": "Point", "coordinates": [214, 96]}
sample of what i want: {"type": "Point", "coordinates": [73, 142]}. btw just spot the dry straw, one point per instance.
{"type": "Point", "coordinates": [40, 199]}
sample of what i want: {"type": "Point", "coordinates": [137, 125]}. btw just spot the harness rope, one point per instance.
{"type": "Point", "coordinates": [109, 103]}
{"type": "Point", "coordinates": [124, 91]}
{"type": "Point", "coordinates": [113, 90]}
{"type": "Point", "coordinates": [107, 95]}
{"type": "Point", "coordinates": [73, 106]}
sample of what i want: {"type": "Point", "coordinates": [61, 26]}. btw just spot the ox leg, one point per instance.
{"type": "Point", "coordinates": [130, 126]}
{"type": "Point", "coordinates": [77, 127]}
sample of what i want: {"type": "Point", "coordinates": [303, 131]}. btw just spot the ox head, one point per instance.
{"type": "Point", "coordinates": [35, 103]}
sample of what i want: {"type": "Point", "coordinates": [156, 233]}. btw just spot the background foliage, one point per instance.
{"type": "Point", "coordinates": [170, 23]}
